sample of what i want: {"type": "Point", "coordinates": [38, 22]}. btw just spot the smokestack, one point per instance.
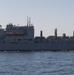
{"type": "Point", "coordinates": [64, 35]}
{"type": "Point", "coordinates": [55, 32]}
{"type": "Point", "coordinates": [73, 33]}
{"type": "Point", "coordinates": [41, 35]}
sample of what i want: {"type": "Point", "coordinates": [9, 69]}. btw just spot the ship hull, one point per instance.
{"type": "Point", "coordinates": [36, 47]}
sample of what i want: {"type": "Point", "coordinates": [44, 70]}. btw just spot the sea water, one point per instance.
{"type": "Point", "coordinates": [37, 63]}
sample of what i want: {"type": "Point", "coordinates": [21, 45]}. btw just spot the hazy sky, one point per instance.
{"type": "Point", "coordinates": [46, 15]}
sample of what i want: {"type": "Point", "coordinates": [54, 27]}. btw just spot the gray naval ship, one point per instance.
{"type": "Point", "coordinates": [14, 38]}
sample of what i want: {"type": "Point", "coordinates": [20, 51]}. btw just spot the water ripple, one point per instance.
{"type": "Point", "coordinates": [37, 63]}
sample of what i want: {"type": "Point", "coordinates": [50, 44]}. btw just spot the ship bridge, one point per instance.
{"type": "Point", "coordinates": [24, 33]}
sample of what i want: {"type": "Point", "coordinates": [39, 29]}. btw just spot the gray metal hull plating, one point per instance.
{"type": "Point", "coordinates": [36, 46]}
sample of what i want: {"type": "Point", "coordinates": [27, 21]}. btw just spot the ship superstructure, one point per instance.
{"type": "Point", "coordinates": [19, 34]}
{"type": "Point", "coordinates": [22, 38]}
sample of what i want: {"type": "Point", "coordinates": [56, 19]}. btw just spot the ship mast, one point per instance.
{"type": "Point", "coordinates": [28, 21]}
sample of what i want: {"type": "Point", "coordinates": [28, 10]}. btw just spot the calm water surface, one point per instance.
{"type": "Point", "coordinates": [37, 63]}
